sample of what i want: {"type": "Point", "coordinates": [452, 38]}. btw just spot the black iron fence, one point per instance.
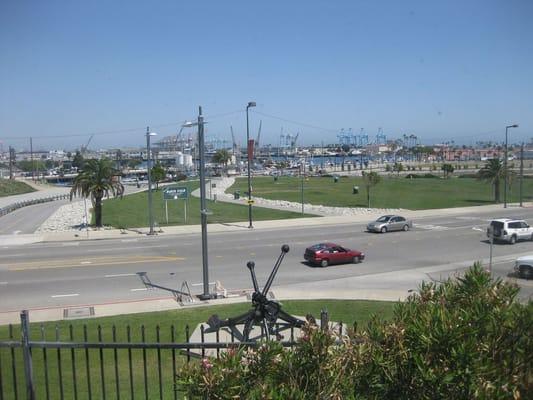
{"type": "Point", "coordinates": [15, 206]}
{"type": "Point", "coordinates": [107, 363]}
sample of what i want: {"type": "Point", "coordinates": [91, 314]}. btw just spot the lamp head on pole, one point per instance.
{"type": "Point", "coordinates": [512, 126]}
{"type": "Point", "coordinates": [251, 104]}
{"type": "Point", "coordinates": [151, 134]}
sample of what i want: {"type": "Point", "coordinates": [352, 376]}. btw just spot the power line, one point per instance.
{"type": "Point", "coordinates": [296, 122]}
{"type": "Point", "coordinates": [110, 132]}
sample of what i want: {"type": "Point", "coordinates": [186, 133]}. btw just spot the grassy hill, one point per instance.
{"type": "Point", "coordinates": [9, 187]}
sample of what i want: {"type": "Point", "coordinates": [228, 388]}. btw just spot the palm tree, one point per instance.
{"type": "Point", "coordinates": [370, 179]}
{"type": "Point", "coordinates": [222, 156]}
{"type": "Point", "coordinates": [97, 179]}
{"type": "Point", "coordinates": [493, 172]}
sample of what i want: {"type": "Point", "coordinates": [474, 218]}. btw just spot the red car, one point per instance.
{"type": "Point", "coordinates": [324, 254]}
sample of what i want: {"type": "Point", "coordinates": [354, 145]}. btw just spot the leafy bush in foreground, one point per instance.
{"type": "Point", "coordinates": [465, 338]}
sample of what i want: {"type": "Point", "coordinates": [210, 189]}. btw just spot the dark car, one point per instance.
{"type": "Point", "coordinates": [324, 254]}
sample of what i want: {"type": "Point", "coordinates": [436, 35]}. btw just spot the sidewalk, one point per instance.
{"type": "Point", "coordinates": [42, 192]}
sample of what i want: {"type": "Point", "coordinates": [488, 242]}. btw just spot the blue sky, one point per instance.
{"type": "Point", "coordinates": [442, 70]}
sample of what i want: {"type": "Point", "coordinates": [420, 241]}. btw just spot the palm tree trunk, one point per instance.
{"type": "Point", "coordinates": [497, 191]}
{"type": "Point", "coordinates": [98, 211]}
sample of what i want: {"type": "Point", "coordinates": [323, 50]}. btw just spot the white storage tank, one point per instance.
{"type": "Point", "coordinates": [187, 160]}
{"type": "Point", "coordinates": [179, 159]}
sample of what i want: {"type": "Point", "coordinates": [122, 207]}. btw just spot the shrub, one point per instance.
{"type": "Point", "coordinates": [426, 175]}
{"type": "Point", "coordinates": [462, 339]}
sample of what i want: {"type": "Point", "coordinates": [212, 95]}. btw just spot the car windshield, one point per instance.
{"type": "Point", "coordinates": [385, 218]}
{"type": "Point", "coordinates": [320, 246]}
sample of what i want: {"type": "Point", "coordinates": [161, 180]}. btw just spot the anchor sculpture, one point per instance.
{"type": "Point", "coordinates": [265, 313]}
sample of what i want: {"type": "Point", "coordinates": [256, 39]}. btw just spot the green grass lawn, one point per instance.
{"type": "Point", "coordinates": [391, 192]}
{"type": "Point", "coordinates": [347, 311]}
{"type": "Point", "coordinates": [10, 187]}
{"type": "Point", "coordinates": [132, 211]}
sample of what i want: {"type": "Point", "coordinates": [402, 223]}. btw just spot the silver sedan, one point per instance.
{"type": "Point", "coordinates": [388, 223]}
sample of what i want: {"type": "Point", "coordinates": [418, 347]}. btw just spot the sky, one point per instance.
{"type": "Point", "coordinates": [441, 70]}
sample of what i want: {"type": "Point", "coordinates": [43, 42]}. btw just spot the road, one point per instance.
{"type": "Point", "coordinates": [28, 219]}
{"type": "Point", "coordinates": [96, 272]}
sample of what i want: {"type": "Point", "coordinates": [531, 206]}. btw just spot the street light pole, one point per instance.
{"type": "Point", "coordinates": [505, 166]}
{"type": "Point", "coordinates": [149, 166]}
{"type": "Point", "coordinates": [249, 150]}
{"type": "Point", "coordinates": [203, 209]}
{"type": "Point", "coordinates": [521, 171]}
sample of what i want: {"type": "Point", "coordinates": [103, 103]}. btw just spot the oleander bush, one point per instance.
{"type": "Point", "coordinates": [466, 338]}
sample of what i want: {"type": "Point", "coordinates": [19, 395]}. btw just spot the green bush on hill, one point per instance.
{"type": "Point", "coordinates": [462, 339]}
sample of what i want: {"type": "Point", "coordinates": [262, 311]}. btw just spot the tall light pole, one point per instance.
{"type": "Point", "coordinates": [505, 166]}
{"type": "Point", "coordinates": [249, 150]}
{"type": "Point", "coordinates": [149, 167]}
{"type": "Point", "coordinates": [203, 209]}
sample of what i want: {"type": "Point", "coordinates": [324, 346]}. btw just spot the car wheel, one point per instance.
{"type": "Point", "coordinates": [324, 263]}
{"type": "Point", "coordinates": [513, 239]}
{"type": "Point", "coordinates": [532, 237]}
{"type": "Point", "coordinates": [525, 271]}
{"type": "Point", "coordinates": [356, 260]}
{"type": "Point", "coordinates": [406, 228]}
{"type": "Point", "coordinates": [384, 230]}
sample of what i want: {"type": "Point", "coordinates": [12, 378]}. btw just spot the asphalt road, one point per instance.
{"type": "Point", "coordinates": [28, 219]}
{"type": "Point", "coordinates": [96, 272]}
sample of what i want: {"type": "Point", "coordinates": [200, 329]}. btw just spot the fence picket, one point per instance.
{"type": "Point", "coordinates": [13, 364]}
{"type": "Point", "coordinates": [115, 356]}
{"type": "Point", "coordinates": [45, 360]}
{"type": "Point", "coordinates": [73, 360]}
{"type": "Point", "coordinates": [59, 367]}
{"type": "Point", "coordinates": [102, 368]}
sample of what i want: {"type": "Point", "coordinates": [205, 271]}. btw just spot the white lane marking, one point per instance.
{"type": "Point", "coordinates": [114, 249]}
{"type": "Point", "coordinates": [431, 227]}
{"type": "Point", "coordinates": [70, 244]}
{"type": "Point", "coordinates": [129, 240]}
{"type": "Point", "coordinates": [3, 283]}
{"type": "Point", "coordinates": [86, 262]}
{"type": "Point", "coordinates": [65, 295]}
{"type": "Point", "coordinates": [118, 275]}
{"type": "Point", "coordinates": [138, 290]}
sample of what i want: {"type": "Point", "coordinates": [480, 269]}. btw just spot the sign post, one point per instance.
{"type": "Point", "coordinates": [175, 193]}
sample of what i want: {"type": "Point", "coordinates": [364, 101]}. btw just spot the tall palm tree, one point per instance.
{"type": "Point", "coordinates": [96, 180]}
{"type": "Point", "coordinates": [370, 179]}
{"type": "Point", "coordinates": [493, 171]}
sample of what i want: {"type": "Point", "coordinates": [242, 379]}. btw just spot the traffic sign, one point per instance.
{"type": "Point", "coordinates": [175, 192]}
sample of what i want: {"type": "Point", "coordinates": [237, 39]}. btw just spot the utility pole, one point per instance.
{"type": "Point", "coordinates": [203, 210]}
{"type": "Point", "coordinates": [149, 172]}
{"type": "Point", "coordinates": [302, 172]}
{"type": "Point", "coordinates": [11, 161]}
{"type": "Point", "coordinates": [521, 170]}
{"type": "Point", "coordinates": [505, 165]}
{"type": "Point", "coordinates": [32, 163]}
